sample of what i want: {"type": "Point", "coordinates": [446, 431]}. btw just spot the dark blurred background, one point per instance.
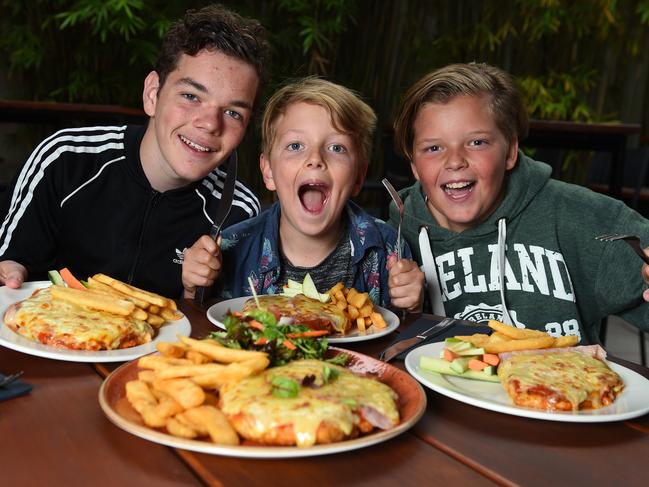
{"type": "Point", "coordinates": [579, 60]}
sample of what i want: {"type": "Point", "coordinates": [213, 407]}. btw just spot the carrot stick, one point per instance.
{"type": "Point", "coordinates": [307, 334]}
{"type": "Point", "coordinates": [256, 325]}
{"type": "Point", "coordinates": [70, 280]}
{"type": "Point", "coordinates": [262, 341]}
{"type": "Point", "coordinates": [289, 344]}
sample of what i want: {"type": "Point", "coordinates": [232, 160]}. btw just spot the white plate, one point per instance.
{"type": "Point", "coordinates": [633, 402]}
{"type": "Point", "coordinates": [216, 314]}
{"type": "Point", "coordinates": [11, 339]}
{"type": "Point", "coordinates": [412, 404]}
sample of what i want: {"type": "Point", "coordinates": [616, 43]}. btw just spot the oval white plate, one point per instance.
{"type": "Point", "coordinates": [412, 404]}
{"type": "Point", "coordinates": [216, 314]}
{"type": "Point", "coordinates": [11, 339]}
{"type": "Point", "coordinates": [633, 402]}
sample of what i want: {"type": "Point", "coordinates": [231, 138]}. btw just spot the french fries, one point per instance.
{"type": "Point", "coordinates": [110, 295]}
{"type": "Point", "coordinates": [174, 390]}
{"type": "Point", "coordinates": [357, 306]}
{"type": "Point", "coordinates": [506, 338]}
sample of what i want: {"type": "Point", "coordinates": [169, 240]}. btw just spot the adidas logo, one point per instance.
{"type": "Point", "coordinates": [180, 256]}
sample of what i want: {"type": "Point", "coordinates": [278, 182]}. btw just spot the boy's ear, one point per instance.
{"type": "Point", "coordinates": [512, 154]}
{"type": "Point", "coordinates": [360, 178]}
{"type": "Point", "coordinates": [150, 93]}
{"type": "Point", "coordinates": [266, 172]}
{"type": "Point", "coordinates": [413, 168]}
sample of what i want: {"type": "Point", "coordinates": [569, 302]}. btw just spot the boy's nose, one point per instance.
{"type": "Point", "coordinates": [210, 120]}
{"type": "Point", "coordinates": [315, 159]}
{"type": "Point", "coordinates": [455, 160]}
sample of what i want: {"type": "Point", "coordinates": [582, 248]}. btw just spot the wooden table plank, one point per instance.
{"type": "Point", "coordinates": [59, 434]}
{"type": "Point", "coordinates": [404, 460]}
{"type": "Point", "coordinates": [535, 452]}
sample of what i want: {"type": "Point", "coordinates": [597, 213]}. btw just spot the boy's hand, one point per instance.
{"type": "Point", "coordinates": [12, 274]}
{"type": "Point", "coordinates": [645, 276]}
{"type": "Point", "coordinates": [201, 265]}
{"type": "Point", "coordinates": [406, 283]}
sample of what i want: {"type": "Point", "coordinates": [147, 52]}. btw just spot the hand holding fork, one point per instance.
{"type": "Point", "coordinates": [406, 279]}
{"type": "Point", "coordinates": [634, 243]}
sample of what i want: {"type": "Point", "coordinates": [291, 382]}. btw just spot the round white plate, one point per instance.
{"type": "Point", "coordinates": [412, 404]}
{"type": "Point", "coordinates": [633, 402]}
{"type": "Point", "coordinates": [216, 314]}
{"type": "Point", "coordinates": [11, 339]}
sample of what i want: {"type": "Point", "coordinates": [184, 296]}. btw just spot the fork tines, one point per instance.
{"type": "Point", "coordinates": [611, 237]}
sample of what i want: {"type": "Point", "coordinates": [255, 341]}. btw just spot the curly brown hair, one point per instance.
{"type": "Point", "coordinates": [215, 28]}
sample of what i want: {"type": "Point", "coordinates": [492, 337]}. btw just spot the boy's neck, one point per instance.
{"type": "Point", "coordinates": [306, 250]}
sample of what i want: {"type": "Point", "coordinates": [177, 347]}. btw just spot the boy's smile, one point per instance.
{"type": "Point", "coordinates": [314, 168]}
{"type": "Point", "coordinates": [460, 157]}
{"type": "Point", "coordinates": [198, 117]}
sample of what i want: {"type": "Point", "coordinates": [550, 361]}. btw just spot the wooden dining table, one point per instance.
{"type": "Point", "coordinates": [58, 435]}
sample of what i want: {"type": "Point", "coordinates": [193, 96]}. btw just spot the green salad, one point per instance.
{"type": "Point", "coordinates": [260, 330]}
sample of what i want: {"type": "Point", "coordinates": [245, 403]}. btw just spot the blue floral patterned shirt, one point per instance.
{"type": "Point", "coordinates": [251, 249]}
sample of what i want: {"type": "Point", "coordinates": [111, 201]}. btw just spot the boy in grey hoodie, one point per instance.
{"type": "Point", "coordinates": [496, 237]}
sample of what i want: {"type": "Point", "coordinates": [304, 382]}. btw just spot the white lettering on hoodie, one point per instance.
{"type": "Point", "coordinates": [539, 271]}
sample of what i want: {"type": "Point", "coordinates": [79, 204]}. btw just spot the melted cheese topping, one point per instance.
{"type": "Point", "coordinates": [571, 375]}
{"type": "Point", "coordinates": [65, 325]}
{"type": "Point", "coordinates": [336, 402]}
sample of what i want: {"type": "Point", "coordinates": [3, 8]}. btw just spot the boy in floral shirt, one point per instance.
{"type": "Point", "coordinates": [316, 143]}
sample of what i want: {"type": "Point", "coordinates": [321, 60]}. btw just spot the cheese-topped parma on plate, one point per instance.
{"type": "Point", "coordinates": [308, 402]}
{"type": "Point", "coordinates": [562, 379]}
{"type": "Point", "coordinates": [62, 324]}
{"type": "Point", "coordinates": [302, 310]}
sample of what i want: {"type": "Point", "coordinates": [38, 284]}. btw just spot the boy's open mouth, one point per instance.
{"type": "Point", "coordinates": [193, 145]}
{"type": "Point", "coordinates": [313, 196]}
{"type": "Point", "coordinates": [458, 189]}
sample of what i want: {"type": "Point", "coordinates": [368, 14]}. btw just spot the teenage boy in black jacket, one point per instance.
{"type": "Point", "coordinates": [127, 201]}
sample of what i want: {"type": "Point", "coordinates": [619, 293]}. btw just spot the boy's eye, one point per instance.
{"type": "Point", "coordinates": [432, 148]}
{"type": "Point", "coordinates": [189, 96]}
{"type": "Point", "coordinates": [234, 114]}
{"type": "Point", "coordinates": [294, 146]}
{"type": "Point", "coordinates": [478, 142]}
{"type": "Point", "coordinates": [338, 148]}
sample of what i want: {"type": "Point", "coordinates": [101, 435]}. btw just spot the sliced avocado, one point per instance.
{"type": "Point", "coordinates": [491, 370]}
{"type": "Point", "coordinates": [294, 284]}
{"type": "Point", "coordinates": [452, 340]}
{"type": "Point", "coordinates": [309, 289]}
{"type": "Point", "coordinates": [324, 298]}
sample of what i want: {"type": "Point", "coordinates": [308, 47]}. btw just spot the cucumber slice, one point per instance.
{"type": "Point", "coordinates": [56, 278]}
{"type": "Point", "coordinates": [441, 366]}
{"type": "Point", "coordinates": [458, 347]}
{"type": "Point", "coordinates": [470, 351]}
{"type": "Point", "coordinates": [460, 365]}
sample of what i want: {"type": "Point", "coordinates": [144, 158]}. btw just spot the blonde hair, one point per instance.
{"type": "Point", "coordinates": [474, 79]}
{"type": "Point", "coordinates": [349, 114]}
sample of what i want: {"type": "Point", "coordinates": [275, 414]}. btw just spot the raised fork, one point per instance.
{"type": "Point", "coordinates": [8, 379]}
{"type": "Point", "coordinates": [397, 201]}
{"type": "Point", "coordinates": [632, 240]}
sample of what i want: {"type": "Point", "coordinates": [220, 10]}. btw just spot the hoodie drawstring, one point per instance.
{"type": "Point", "coordinates": [502, 239]}
{"type": "Point", "coordinates": [430, 271]}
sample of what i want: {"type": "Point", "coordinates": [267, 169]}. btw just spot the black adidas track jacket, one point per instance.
{"type": "Point", "coordinates": [82, 201]}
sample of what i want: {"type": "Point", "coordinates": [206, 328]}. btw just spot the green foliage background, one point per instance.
{"type": "Point", "coordinates": [582, 60]}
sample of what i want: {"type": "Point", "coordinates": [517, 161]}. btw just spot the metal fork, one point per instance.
{"type": "Point", "coordinates": [399, 202]}
{"type": "Point", "coordinates": [632, 240]}
{"type": "Point", "coordinates": [8, 379]}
